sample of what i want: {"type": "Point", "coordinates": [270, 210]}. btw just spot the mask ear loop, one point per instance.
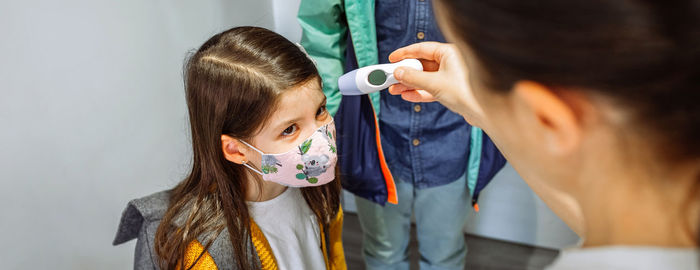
{"type": "Point", "coordinates": [245, 163]}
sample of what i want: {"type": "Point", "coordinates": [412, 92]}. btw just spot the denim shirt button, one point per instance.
{"type": "Point", "coordinates": [416, 142]}
{"type": "Point", "coordinates": [417, 108]}
{"type": "Point", "coordinates": [420, 35]}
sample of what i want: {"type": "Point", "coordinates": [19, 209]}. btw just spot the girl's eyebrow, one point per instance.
{"type": "Point", "coordinates": [286, 123]}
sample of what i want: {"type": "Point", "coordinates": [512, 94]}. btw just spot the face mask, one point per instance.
{"type": "Point", "coordinates": [312, 163]}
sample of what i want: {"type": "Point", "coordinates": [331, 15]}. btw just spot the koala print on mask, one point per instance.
{"type": "Point", "coordinates": [315, 165]}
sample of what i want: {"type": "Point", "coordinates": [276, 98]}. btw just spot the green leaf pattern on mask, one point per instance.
{"type": "Point", "coordinates": [267, 169]}
{"type": "Point", "coordinates": [305, 146]}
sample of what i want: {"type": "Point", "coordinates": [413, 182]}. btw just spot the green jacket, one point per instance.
{"type": "Point", "coordinates": [325, 25]}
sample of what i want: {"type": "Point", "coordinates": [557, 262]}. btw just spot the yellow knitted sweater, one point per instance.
{"type": "Point", "coordinates": [262, 247]}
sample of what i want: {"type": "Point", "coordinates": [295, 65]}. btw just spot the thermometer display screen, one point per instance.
{"type": "Point", "coordinates": [377, 77]}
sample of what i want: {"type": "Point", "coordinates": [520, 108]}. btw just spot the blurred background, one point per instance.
{"type": "Point", "coordinates": [92, 115]}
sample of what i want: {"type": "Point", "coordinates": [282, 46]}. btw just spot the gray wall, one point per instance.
{"type": "Point", "coordinates": [92, 114]}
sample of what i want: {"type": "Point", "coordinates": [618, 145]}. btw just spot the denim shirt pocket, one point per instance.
{"type": "Point", "coordinates": [391, 18]}
{"type": "Point", "coordinates": [391, 14]}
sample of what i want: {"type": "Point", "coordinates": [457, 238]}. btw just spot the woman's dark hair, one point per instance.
{"type": "Point", "coordinates": [232, 85]}
{"type": "Point", "coordinates": [642, 54]}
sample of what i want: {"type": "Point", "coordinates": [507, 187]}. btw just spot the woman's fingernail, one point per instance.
{"type": "Point", "coordinates": [399, 73]}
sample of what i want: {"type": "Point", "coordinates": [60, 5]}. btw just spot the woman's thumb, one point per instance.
{"type": "Point", "coordinates": [416, 79]}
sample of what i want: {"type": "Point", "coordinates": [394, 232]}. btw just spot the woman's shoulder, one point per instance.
{"type": "Point", "coordinates": [627, 257]}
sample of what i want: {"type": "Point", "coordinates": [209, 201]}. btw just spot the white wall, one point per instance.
{"type": "Point", "coordinates": [92, 114]}
{"type": "Point", "coordinates": [510, 211]}
{"type": "Point", "coordinates": [285, 12]}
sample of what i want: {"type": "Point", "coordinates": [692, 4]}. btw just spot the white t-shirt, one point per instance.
{"type": "Point", "coordinates": [627, 257]}
{"type": "Point", "coordinates": [291, 229]}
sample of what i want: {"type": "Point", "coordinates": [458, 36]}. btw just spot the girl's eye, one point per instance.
{"type": "Point", "coordinates": [321, 110]}
{"type": "Point", "coordinates": [290, 130]}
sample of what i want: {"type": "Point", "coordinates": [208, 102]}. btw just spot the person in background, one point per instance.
{"type": "Point", "coordinates": [426, 148]}
{"type": "Point", "coordinates": [604, 98]}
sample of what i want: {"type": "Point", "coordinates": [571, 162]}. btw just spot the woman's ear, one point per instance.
{"type": "Point", "coordinates": [555, 117]}
{"type": "Point", "coordinates": [232, 150]}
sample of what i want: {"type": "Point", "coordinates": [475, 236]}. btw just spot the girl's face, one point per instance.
{"type": "Point", "coordinates": [299, 113]}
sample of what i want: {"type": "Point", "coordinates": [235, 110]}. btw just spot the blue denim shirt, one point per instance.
{"type": "Point", "coordinates": [423, 142]}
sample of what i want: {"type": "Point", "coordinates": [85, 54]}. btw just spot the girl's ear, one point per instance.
{"type": "Point", "coordinates": [232, 150]}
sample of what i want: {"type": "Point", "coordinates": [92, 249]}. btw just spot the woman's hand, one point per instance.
{"type": "Point", "coordinates": [444, 78]}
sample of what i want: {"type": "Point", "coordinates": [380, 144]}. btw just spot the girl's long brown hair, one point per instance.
{"type": "Point", "coordinates": [232, 84]}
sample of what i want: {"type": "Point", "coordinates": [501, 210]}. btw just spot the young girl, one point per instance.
{"type": "Point", "coordinates": [261, 193]}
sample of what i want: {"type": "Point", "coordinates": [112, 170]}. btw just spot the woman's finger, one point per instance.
{"type": "Point", "coordinates": [424, 50]}
{"type": "Point", "coordinates": [396, 89]}
{"type": "Point", "coordinates": [417, 96]}
{"type": "Point", "coordinates": [429, 65]}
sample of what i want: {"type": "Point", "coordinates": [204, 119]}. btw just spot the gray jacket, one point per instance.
{"type": "Point", "coordinates": [140, 220]}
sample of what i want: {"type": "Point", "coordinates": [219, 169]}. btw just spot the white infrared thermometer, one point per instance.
{"type": "Point", "coordinates": [373, 78]}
